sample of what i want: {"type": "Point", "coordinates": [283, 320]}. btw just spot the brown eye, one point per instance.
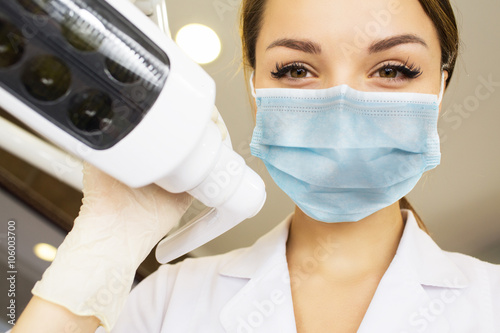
{"type": "Point", "coordinates": [298, 73]}
{"type": "Point", "coordinates": [291, 71]}
{"type": "Point", "coordinates": [388, 72]}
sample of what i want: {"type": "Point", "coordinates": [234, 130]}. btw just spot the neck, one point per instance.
{"type": "Point", "coordinates": [347, 251]}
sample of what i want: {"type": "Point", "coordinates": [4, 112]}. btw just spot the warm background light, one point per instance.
{"type": "Point", "coordinates": [45, 251]}
{"type": "Point", "coordinates": [200, 42]}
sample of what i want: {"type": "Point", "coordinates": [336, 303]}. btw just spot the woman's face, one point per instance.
{"type": "Point", "coordinates": [370, 45]}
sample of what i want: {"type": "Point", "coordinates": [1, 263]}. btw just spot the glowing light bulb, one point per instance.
{"type": "Point", "coordinates": [200, 42]}
{"type": "Point", "coordinates": [45, 251]}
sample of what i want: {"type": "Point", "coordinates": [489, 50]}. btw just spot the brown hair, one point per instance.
{"type": "Point", "coordinates": [439, 11]}
{"type": "Point", "coordinates": [405, 204]}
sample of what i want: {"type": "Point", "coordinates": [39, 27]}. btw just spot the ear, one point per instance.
{"type": "Point", "coordinates": [446, 75]}
{"type": "Point", "coordinates": [445, 86]}
{"type": "Point", "coordinates": [251, 87]}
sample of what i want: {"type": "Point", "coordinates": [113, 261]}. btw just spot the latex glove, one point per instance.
{"type": "Point", "coordinates": [116, 229]}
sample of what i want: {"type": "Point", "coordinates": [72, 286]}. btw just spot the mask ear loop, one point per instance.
{"type": "Point", "coordinates": [252, 86]}
{"type": "Point", "coordinates": [441, 91]}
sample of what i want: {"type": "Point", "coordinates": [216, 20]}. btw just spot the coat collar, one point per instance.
{"type": "Point", "coordinates": [402, 302]}
{"type": "Point", "coordinates": [427, 261]}
{"type": "Point", "coordinates": [419, 263]}
{"type": "Point", "coordinates": [264, 304]}
{"type": "Point", "coordinates": [431, 265]}
{"type": "Point", "coordinates": [266, 252]}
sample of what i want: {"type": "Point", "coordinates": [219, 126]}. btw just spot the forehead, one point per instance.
{"type": "Point", "coordinates": [354, 23]}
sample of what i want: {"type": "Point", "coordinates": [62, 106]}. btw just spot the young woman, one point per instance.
{"type": "Point", "coordinates": [347, 98]}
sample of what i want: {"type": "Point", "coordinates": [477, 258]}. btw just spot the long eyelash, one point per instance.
{"type": "Point", "coordinates": [282, 69]}
{"type": "Point", "coordinates": [410, 71]}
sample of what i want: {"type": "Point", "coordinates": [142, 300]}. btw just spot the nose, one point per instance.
{"type": "Point", "coordinates": [338, 80]}
{"type": "Point", "coordinates": [343, 72]}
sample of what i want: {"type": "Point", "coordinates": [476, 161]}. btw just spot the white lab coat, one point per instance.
{"type": "Point", "coordinates": [424, 289]}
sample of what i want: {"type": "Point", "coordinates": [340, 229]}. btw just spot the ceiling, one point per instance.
{"type": "Point", "coordinates": [459, 201]}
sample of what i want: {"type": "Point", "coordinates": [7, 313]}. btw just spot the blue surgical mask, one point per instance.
{"type": "Point", "coordinates": [342, 154]}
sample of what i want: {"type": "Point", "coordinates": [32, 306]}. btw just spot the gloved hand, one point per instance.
{"type": "Point", "coordinates": [116, 229]}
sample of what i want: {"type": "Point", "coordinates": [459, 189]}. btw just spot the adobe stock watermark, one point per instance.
{"type": "Point", "coordinates": [11, 272]}
{"type": "Point", "coordinates": [381, 19]}
{"type": "Point", "coordinates": [265, 308]}
{"type": "Point", "coordinates": [225, 6]}
{"type": "Point", "coordinates": [262, 309]}
{"type": "Point", "coordinates": [427, 314]}
{"type": "Point", "coordinates": [456, 113]}
{"type": "Point", "coordinates": [243, 148]}
{"type": "Point", "coordinates": [404, 167]}
{"type": "Point", "coordinates": [71, 164]}
{"type": "Point", "coordinates": [221, 180]}
{"type": "Point", "coordinates": [324, 249]}
{"type": "Point", "coordinates": [32, 25]}
{"type": "Point", "coordinates": [117, 284]}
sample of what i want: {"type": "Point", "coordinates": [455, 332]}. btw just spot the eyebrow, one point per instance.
{"type": "Point", "coordinates": [306, 46]}
{"type": "Point", "coordinates": [391, 42]}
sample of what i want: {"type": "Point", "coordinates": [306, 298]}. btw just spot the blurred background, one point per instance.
{"type": "Point", "coordinates": [459, 201]}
